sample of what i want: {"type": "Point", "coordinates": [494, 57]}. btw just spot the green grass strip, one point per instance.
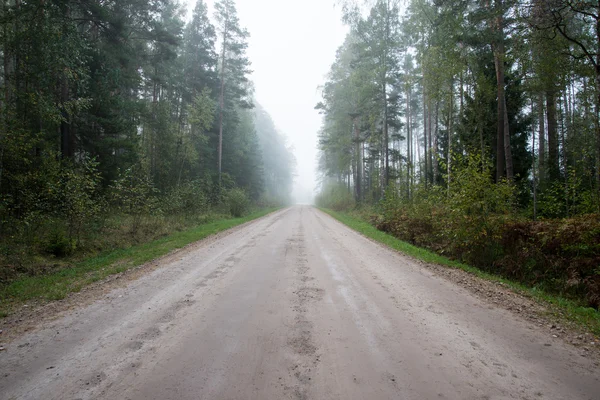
{"type": "Point", "coordinates": [58, 285]}
{"type": "Point", "coordinates": [570, 310]}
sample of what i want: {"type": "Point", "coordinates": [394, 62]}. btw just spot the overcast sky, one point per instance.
{"type": "Point", "coordinates": [292, 46]}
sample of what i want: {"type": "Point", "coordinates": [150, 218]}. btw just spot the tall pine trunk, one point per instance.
{"type": "Point", "coordinates": [542, 140]}
{"type": "Point", "coordinates": [222, 106]}
{"type": "Point", "coordinates": [597, 116]}
{"type": "Point", "coordinates": [553, 167]}
{"type": "Point", "coordinates": [425, 150]}
{"type": "Point", "coordinates": [409, 155]}
{"type": "Point", "coordinates": [386, 147]}
{"type": "Point", "coordinates": [358, 181]}
{"type": "Point", "coordinates": [436, 165]}
{"type": "Point", "coordinates": [450, 128]}
{"type": "Point", "coordinates": [503, 149]}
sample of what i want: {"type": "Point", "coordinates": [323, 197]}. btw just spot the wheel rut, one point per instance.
{"type": "Point", "coordinates": [304, 351]}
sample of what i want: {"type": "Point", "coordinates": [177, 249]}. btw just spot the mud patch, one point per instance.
{"type": "Point", "coordinates": [150, 334]}
{"type": "Point", "coordinates": [95, 379]}
{"type": "Point", "coordinates": [306, 293]}
{"type": "Point", "coordinates": [172, 311]}
{"type": "Point", "coordinates": [135, 345]}
{"type": "Point", "coordinates": [302, 345]}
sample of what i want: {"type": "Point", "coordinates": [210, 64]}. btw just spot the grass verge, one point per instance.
{"type": "Point", "coordinates": [58, 285]}
{"type": "Point", "coordinates": [570, 310]}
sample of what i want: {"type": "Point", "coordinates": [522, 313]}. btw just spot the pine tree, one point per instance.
{"type": "Point", "coordinates": [234, 68]}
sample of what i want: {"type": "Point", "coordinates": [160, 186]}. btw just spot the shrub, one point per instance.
{"type": "Point", "coordinates": [74, 196]}
{"type": "Point", "coordinates": [189, 198]}
{"type": "Point", "coordinates": [562, 255]}
{"type": "Point", "coordinates": [59, 244]}
{"type": "Point", "coordinates": [134, 194]}
{"type": "Point", "coordinates": [237, 201]}
{"type": "Point", "coordinates": [475, 222]}
{"type": "Point", "coordinates": [461, 221]}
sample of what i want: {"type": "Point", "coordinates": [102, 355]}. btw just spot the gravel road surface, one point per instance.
{"type": "Point", "coordinates": [292, 306]}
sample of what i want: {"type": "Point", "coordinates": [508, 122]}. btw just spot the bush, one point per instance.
{"type": "Point", "coordinates": [568, 198]}
{"type": "Point", "coordinates": [463, 221]}
{"type": "Point", "coordinates": [74, 195]}
{"type": "Point", "coordinates": [475, 222]}
{"type": "Point", "coordinates": [59, 244]}
{"type": "Point", "coordinates": [133, 194]}
{"type": "Point", "coordinates": [187, 199]}
{"type": "Point", "coordinates": [237, 201]}
{"type": "Point", "coordinates": [560, 255]}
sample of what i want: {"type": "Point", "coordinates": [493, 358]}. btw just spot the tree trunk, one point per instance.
{"type": "Point", "coordinates": [503, 160]}
{"type": "Point", "coordinates": [8, 61]}
{"type": "Point", "coordinates": [542, 140]}
{"type": "Point", "coordinates": [553, 163]}
{"type": "Point", "coordinates": [436, 165]}
{"type": "Point", "coordinates": [425, 150]}
{"type": "Point", "coordinates": [386, 172]}
{"type": "Point", "coordinates": [418, 159]}
{"type": "Point", "coordinates": [462, 94]}
{"type": "Point", "coordinates": [385, 105]}
{"type": "Point", "coordinates": [563, 160]}
{"type": "Point", "coordinates": [358, 181]}
{"type": "Point", "coordinates": [450, 128]}
{"type": "Point", "coordinates": [597, 116]}
{"type": "Point", "coordinates": [507, 148]}
{"type": "Point", "coordinates": [408, 144]}
{"type": "Point", "coordinates": [431, 158]}
{"type": "Point", "coordinates": [67, 143]}
{"type": "Point", "coordinates": [222, 106]}
{"type": "Point", "coordinates": [500, 158]}
{"type": "Point", "coordinates": [533, 169]}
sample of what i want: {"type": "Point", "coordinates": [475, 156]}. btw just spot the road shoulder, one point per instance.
{"type": "Point", "coordinates": [547, 317]}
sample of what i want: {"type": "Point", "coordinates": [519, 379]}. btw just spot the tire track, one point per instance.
{"type": "Point", "coordinates": [305, 353]}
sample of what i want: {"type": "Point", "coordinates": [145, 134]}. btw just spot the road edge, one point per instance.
{"type": "Point", "coordinates": [29, 315]}
{"type": "Point", "coordinates": [558, 316]}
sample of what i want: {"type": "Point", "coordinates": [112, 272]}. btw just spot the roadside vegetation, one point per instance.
{"type": "Point", "coordinates": [71, 274]}
{"type": "Point", "coordinates": [122, 127]}
{"type": "Point", "coordinates": [471, 130]}
{"type": "Point", "coordinates": [476, 223]}
{"type": "Point", "coordinates": [566, 307]}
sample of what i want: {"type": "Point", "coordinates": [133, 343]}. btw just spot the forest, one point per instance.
{"type": "Point", "coordinates": [123, 121]}
{"type": "Point", "coordinates": [471, 128]}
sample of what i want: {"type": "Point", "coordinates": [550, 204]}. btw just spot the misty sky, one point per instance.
{"type": "Point", "coordinates": [292, 46]}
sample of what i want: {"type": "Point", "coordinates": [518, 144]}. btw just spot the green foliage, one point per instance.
{"type": "Point", "coordinates": [568, 198]}
{"type": "Point", "coordinates": [462, 221]}
{"type": "Point", "coordinates": [572, 309]}
{"type": "Point", "coordinates": [59, 244]}
{"type": "Point", "coordinates": [132, 193]}
{"type": "Point", "coordinates": [474, 208]}
{"type": "Point", "coordinates": [237, 201]}
{"type": "Point", "coordinates": [75, 196]}
{"type": "Point", "coordinates": [202, 111]}
{"type": "Point", "coordinates": [57, 283]}
{"type": "Point", "coordinates": [474, 221]}
{"type": "Point", "coordinates": [190, 198]}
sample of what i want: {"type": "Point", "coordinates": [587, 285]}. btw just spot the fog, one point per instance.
{"type": "Point", "coordinates": [292, 45]}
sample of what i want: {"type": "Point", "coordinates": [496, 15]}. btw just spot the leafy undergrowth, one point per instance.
{"type": "Point", "coordinates": [73, 277]}
{"type": "Point", "coordinates": [573, 310]}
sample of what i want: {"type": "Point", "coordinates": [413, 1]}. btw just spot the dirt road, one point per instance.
{"type": "Point", "coordinates": [293, 306]}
